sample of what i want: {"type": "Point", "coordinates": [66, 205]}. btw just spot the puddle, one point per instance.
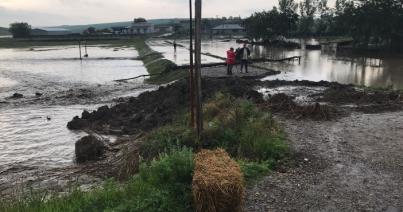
{"type": "Point", "coordinates": [301, 94]}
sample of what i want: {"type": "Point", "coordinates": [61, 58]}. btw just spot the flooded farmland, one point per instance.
{"type": "Point", "coordinates": [316, 65]}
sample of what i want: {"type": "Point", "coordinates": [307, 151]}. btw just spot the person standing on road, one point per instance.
{"type": "Point", "coordinates": [245, 54]}
{"type": "Point", "coordinates": [230, 60]}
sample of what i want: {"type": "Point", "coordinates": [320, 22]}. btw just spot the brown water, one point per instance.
{"type": "Point", "coordinates": [316, 65]}
{"type": "Point", "coordinates": [35, 135]}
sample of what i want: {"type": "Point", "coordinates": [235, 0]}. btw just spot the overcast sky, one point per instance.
{"type": "Point", "coordinates": [59, 12]}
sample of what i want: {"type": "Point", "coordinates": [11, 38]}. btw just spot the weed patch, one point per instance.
{"type": "Point", "coordinates": [162, 185]}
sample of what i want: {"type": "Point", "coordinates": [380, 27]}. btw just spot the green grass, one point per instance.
{"type": "Point", "coordinates": [236, 125]}
{"type": "Point", "coordinates": [162, 185]}
{"type": "Point", "coordinates": [254, 171]}
{"type": "Point", "coordinates": [162, 70]}
{"type": "Point", "coordinates": [242, 129]}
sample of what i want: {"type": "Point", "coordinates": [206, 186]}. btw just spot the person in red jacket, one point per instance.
{"type": "Point", "coordinates": [230, 60]}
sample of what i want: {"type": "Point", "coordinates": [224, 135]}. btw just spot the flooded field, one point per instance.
{"type": "Point", "coordinates": [181, 56]}
{"type": "Point", "coordinates": [316, 65]}
{"type": "Point", "coordinates": [35, 134]}
{"type": "Point", "coordinates": [53, 68]}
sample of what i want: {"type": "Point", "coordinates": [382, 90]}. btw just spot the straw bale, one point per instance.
{"type": "Point", "coordinates": [218, 184]}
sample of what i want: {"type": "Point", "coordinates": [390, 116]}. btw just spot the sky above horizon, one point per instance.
{"type": "Point", "coordinates": [74, 12]}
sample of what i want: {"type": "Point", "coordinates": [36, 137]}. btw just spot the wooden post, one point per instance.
{"type": "Point", "coordinates": [199, 115]}
{"type": "Point", "coordinates": [86, 53]}
{"type": "Point", "coordinates": [79, 48]}
{"type": "Point", "coordinates": [191, 69]}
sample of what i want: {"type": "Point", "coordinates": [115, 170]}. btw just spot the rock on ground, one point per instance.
{"type": "Point", "coordinates": [89, 148]}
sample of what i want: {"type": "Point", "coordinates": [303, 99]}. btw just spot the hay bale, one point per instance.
{"type": "Point", "coordinates": [218, 183]}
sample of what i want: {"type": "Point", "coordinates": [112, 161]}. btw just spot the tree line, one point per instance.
{"type": "Point", "coordinates": [368, 22]}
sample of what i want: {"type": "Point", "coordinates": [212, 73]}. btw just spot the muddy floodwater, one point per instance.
{"type": "Point", "coordinates": [34, 134]}
{"type": "Point", "coordinates": [327, 64]}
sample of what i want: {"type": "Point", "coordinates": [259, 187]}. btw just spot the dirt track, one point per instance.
{"type": "Point", "coordinates": [353, 164]}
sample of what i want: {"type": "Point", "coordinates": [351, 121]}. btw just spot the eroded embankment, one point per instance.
{"type": "Point", "coordinates": [132, 117]}
{"type": "Point", "coordinates": [157, 108]}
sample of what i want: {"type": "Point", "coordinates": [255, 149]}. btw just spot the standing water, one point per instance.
{"type": "Point", "coordinates": [316, 65]}
{"type": "Point", "coordinates": [36, 135]}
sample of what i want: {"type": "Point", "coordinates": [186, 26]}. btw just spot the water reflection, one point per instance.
{"type": "Point", "coordinates": [326, 64]}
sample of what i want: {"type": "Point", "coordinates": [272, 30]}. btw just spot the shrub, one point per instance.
{"type": "Point", "coordinates": [242, 129]}
{"type": "Point", "coordinates": [165, 139]}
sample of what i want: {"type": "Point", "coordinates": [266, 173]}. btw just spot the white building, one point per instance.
{"type": "Point", "coordinates": [50, 31]}
{"type": "Point", "coordinates": [141, 27]}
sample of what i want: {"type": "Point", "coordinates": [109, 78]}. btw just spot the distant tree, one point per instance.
{"type": "Point", "coordinates": [20, 30]}
{"type": "Point", "coordinates": [287, 6]}
{"type": "Point", "coordinates": [308, 9]}
{"type": "Point", "coordinates": [140, 20]}
{"type": "Point", "coordinates": [288, 16]}
{"type": "Point", "coordinates": [268, 24]}
{"type": "Point", "coordinates": [325, 24]}
{"type": "Point", "coordinates": [91, 30]}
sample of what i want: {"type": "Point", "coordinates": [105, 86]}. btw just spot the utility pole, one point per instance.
{"type": "Point", "coordinates": [199, 113]}
{"type": "Point", "coordinates": [191, 71]}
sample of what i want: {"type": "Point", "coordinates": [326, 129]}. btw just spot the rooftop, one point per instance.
{"type": "Point", "coordinates": [228, 27]}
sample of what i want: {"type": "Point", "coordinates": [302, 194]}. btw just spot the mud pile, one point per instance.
{"type": "Point", "coordinates": [341, 94]}
{"type": "Point", "coordinates": [368, 101]}
{"type": "Point", "coordinates": [157, 108]}
{"type": "Point", "coordinates": [282, 103]}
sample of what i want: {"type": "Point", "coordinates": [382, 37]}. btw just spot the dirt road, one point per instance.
{"type": "Point", "coordinates": [352, 164]}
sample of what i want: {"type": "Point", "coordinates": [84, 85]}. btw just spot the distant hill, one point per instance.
{"type": "Point", "coordinates": [4, 31]}
{"type": "Point", "coordinates": [80, 28]}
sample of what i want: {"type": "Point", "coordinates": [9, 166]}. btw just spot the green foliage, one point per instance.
{"type": "Point", "coordinates": [253, 171]}
{"type": "Point", "coordinates": [242, 129]}
{"type": "Point", "coordinates": [20, 30]}
{"type": "Point", "coordinates": [164, 185]}
{"type": "Point", "coordinates": [267, 24]}
{"type": "Point", "coordinates": [236, 125]}
{"type": "Point", "coordinates": [165, 139]}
